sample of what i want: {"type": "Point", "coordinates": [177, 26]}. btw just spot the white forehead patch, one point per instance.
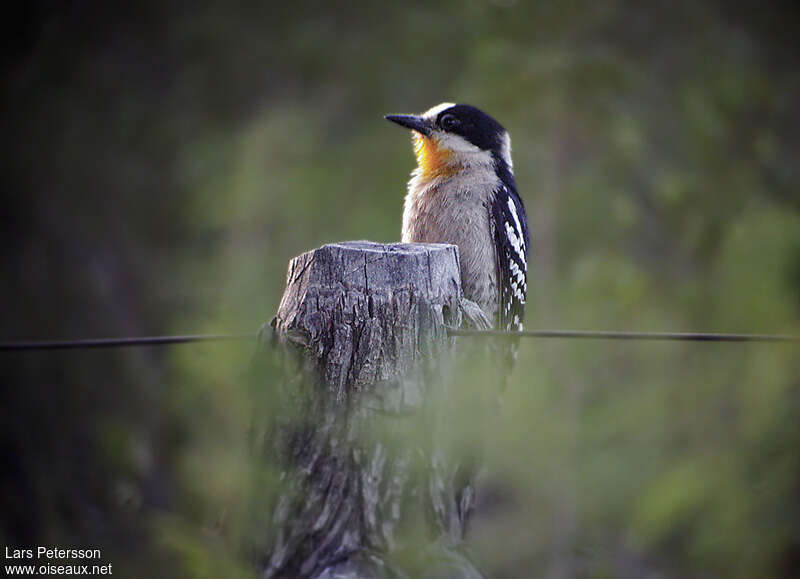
{"type": "Point", "coordinates": [433, 112]}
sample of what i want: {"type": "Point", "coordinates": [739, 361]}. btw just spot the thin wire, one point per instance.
{"type": "Point", "coordinates": [120, 342]}
{"type": "Point", "coordinates": [579, 334]}
{"type": "Point", "coordinates": [603, 335]}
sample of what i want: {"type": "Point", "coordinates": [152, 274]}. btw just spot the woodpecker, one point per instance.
{"type": "Point", "coordinates": [463, 192]}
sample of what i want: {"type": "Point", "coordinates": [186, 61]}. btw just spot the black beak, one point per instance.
{"type": "Point", "coordinates": [412, 122]}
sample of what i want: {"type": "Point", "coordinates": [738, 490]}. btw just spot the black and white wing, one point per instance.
{"type": "Point", "coordinates": [511, 240]}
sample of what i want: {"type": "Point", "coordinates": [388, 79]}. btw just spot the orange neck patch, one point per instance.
{"type": "Point", "coordinates": [432, 159]}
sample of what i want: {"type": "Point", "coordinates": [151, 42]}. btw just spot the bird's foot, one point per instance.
{"type": "Point", "coordinates": [474, 315]}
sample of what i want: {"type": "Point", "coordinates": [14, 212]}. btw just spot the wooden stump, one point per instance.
{"type": "Point", "coordinates": [368, 323]}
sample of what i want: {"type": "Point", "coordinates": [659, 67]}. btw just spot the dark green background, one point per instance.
{"type": "Point", "coordinates": [165, 160]}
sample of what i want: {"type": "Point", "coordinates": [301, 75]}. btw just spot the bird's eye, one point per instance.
{"type": "Point", "coordinates": [449, 122]}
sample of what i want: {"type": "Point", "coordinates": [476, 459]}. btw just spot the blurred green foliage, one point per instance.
{"type": "Point", "coordinates": [166, 160]}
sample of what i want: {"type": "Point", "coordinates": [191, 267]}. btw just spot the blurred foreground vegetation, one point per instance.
{"type": "Point", "coordinates": [166, 160]}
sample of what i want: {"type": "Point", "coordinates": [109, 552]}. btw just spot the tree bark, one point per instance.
{"type": "Point", "coordinates": [360, 439]}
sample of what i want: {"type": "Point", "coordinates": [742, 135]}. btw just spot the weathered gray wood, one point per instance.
{"type": "Point", "coordinates": [363, 310]}
{"type": "Point", "coordinates": [369, 324]}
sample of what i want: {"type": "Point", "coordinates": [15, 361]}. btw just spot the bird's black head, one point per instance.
{"type": "Point", "coordinates": [473, 124]}
{"type": "Point", "coordinates": [460, 128]}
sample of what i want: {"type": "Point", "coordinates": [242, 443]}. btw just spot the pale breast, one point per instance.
{"type": "Point", "coordinates": [456, 211]}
